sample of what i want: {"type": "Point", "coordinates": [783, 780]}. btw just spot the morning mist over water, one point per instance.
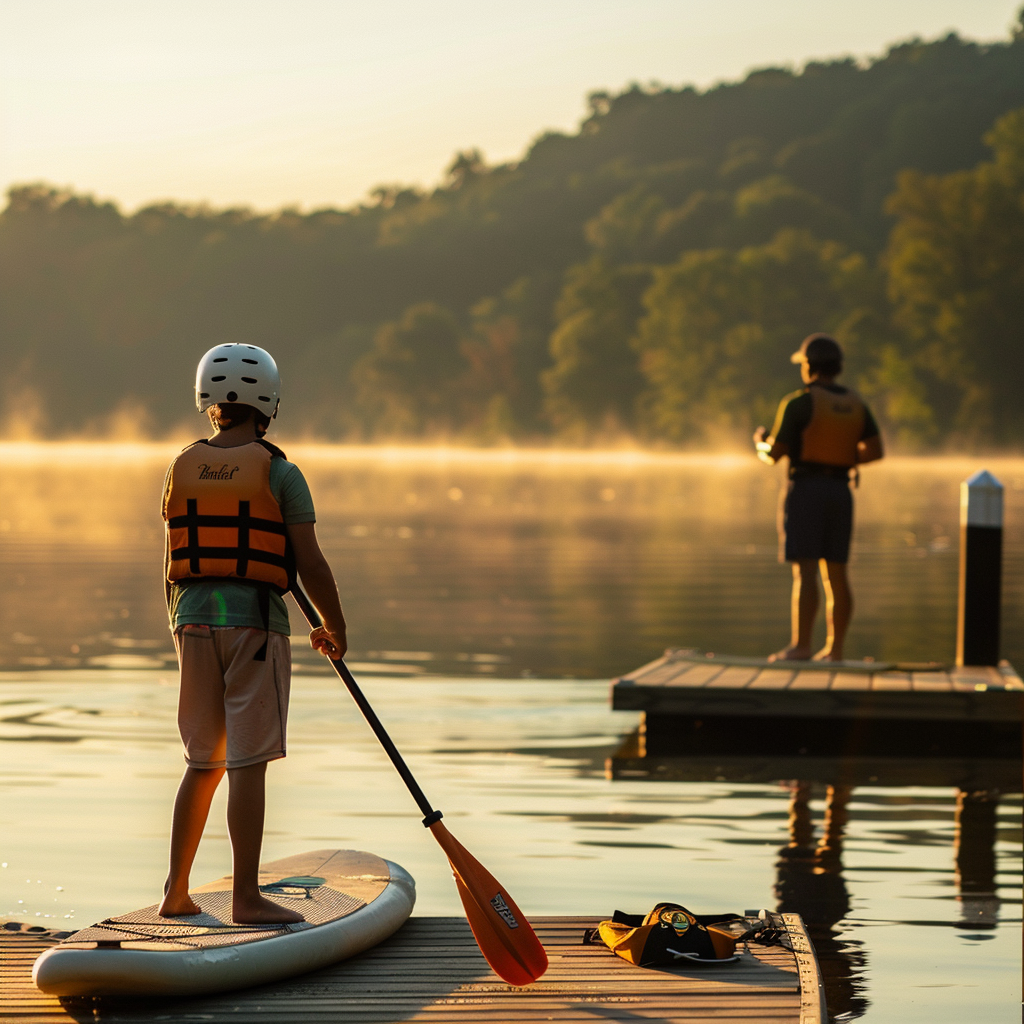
{"type": "Point", "coordinates": [504, 562]}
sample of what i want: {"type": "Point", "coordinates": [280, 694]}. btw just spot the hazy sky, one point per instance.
{"type": "Point", "coordinates": [311, 103]}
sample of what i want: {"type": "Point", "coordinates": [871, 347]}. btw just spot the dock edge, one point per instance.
{"type": "Point", "coordinates": [812, 991]}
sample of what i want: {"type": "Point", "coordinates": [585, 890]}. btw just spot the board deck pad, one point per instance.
{"type": "Point", "coordinates": [323, 886]}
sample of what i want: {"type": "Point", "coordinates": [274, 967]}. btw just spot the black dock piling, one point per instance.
{"type": "Point", "coordinates": [981, 564]}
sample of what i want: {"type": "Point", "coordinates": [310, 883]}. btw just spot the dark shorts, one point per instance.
{"type": "Point", "coordinates": [817, 519]}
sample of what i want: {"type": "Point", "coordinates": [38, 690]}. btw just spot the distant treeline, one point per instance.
{"type": "Point", "coordinates": [647, 276]}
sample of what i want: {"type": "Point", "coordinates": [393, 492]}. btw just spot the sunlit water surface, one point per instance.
{"type": "Point", "coordinates": [475, 584]}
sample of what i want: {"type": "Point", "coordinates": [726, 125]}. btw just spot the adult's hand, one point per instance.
{"type": "Point", "coordinates": [870, 450]}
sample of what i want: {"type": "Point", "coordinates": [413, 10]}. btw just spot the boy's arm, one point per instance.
{"type": "Point", "coordinates": [318, 582]}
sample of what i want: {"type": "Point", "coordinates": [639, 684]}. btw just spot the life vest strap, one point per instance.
{"type": "Point", "coordinates": [252, 555]}
{"type": "Point", "coordinates": [255, 523]}
{"type": "Point", "coordinates": [243, 522]}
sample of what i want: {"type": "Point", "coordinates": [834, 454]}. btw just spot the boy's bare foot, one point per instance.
{"type": "Point", "coordinates": [258, 910]}
{"type": "Point", "coordinates": [178, 905]}
{"type": "Point", "coordinates": [791, 653]}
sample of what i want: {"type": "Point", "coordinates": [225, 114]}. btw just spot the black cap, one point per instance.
{"type": "Point", "coordinates": [818, 348]}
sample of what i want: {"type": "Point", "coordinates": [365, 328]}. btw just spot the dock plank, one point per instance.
{"type": "Point", "coordinates": [772, 679]}
{"type": "Point", "coordinates": [811, 679]}
{"type": "Point", "coordinates": [735, 677]}
{"type": "Point", "coordinates": [893, 682]}
{"type": "Point", "coordinates": [932, 681]}
{"type": "Point", "coordinates": [843, 680]}
{"type": "Point", "coordinates": [701, 674]}
{"type": "Point", "coordinates": [431, 970]}
{"type": "Point", "coordinates": [659, 674]}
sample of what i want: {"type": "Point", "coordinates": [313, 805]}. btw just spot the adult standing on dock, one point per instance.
{"type": "Point", "coordinates": [827, 431]}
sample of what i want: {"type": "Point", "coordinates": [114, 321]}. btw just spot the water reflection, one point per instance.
{"type": "Point", "coordinates": [809, 882]}
{"type": "Point", "coordinates": [975, 856]}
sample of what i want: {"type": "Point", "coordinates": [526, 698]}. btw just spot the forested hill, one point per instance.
{"type": "Point", "coordinates": [645, 276]}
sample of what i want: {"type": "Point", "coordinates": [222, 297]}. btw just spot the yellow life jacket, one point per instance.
{"type": "Point", "coordinates": [836, 428]}
{"type": "Point", "coordinates": [222, 519]}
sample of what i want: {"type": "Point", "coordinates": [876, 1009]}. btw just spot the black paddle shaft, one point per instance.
{"type": "Point", "coordinates": [313, 618]}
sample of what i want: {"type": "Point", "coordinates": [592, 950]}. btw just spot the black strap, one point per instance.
{"type": "Point", "coordinates": [192, 522]}
{"type": "Point", "coordinates": [272, 448]}
{"type": "Point", "coordinates": [242, 566]}
{"type": "Point", "coordinates": [254, 522]}
{"type": "Point", "coordinates": [252, 554]}
{"type": "Point", "coordinates": [263, 599]}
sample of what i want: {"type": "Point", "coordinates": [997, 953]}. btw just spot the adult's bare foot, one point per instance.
{"type": "Point", "coordinates": [791, 653]}
{"type": "Point", "coordinates": [828, 654]}
{"type": "Point", "coordinates": [178, 905]}
{"type": "Point", "coordinates": [259, 910]}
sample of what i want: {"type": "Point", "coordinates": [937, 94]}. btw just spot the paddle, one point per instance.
{"type": "Point", "coordinates": [501, 930]}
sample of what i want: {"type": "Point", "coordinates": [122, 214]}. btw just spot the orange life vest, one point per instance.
{"type": "Point", "coordinates": [222, 519]}
{"type": "Point", "coordinates": [836, 428]}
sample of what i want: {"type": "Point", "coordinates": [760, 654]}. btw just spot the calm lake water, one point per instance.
{"type": "Point", "coordinates": [491, 596]}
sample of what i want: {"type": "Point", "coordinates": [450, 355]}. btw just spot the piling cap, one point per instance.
{"type": "Point", "coordinates": [981, 500]}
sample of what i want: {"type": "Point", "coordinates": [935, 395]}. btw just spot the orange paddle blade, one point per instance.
{"type": "Point", "coordinates": [502, 932]}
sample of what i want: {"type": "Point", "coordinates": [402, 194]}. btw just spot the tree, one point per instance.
{"type": "Point", "coordinates": [720, 326]}
{"type": "Point", "coordinates": [624, 229]}
{"type": "Point", "coordinates": [956, 277]}
{"type": "Point", "coordinates": [595, 381]}
{"type": "Point", "coordinates": [409, 383]}
{"type": "Point", "coordinates": [507, 349]}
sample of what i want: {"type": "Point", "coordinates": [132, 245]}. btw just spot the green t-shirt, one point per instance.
{"type": "Point", "coordinates": [237, 604]}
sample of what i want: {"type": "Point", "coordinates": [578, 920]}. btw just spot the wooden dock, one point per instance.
{"type": "Point", "coordinates": [698, 704]}
{"type": "Point", "coordinates": [431, 970]}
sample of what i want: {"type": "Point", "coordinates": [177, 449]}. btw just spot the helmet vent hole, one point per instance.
{"type": "Point", "coordinates": [249, 380]}
{"type": "Point", "coordinates": [232, 397]}
{"type": "Point", "coordinates": [216, 380]}
{"type": "Point", "coordinates": [263, 398]}
{"type": "Point", "coordinates": [204, 394]}
{"type": "Point", "coordinates": [221, 359]}
{"type": "Point", "coordinates": [254, 362]}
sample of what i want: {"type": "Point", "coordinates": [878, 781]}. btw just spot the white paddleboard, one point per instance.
{"type": "Point", "coordinates": [351, 901]}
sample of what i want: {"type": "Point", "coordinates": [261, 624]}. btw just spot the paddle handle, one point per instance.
{"type": "Point", "coordinates": [313, 618]}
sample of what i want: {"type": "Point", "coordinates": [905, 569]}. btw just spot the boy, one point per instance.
{"type": "Point", "coordinates": [239, 525]}
{"type": "Point", "coordinates": [826, 430]}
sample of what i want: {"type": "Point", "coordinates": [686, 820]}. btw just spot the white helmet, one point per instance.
{"type": "Point", "coordinates": [238, 373]}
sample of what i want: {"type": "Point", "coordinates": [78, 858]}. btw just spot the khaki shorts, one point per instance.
{"type": "Point", "coordinates": [232, 710]}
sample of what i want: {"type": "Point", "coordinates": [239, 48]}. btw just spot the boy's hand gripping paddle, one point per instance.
{"type": "Point", "coordinates": [502, 932]}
